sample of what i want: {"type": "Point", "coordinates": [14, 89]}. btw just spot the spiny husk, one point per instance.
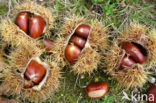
{"type": "Point", "coordinates": [58, 52]}
{"type": "Point", "coordinates": [89, 57]}
{"type": "Point", "coordinates": [13, 84]}
{"type": "Point", "coordinates": [13, 35]}
{"type": "Point", "coordinates": [13, 75]}
{"type": "Point", "coordinates": [135, 76]}
{"type": "Point", "coordinates": [20, 57]}
{"type": "Point", "coordinates": [37, 9]}
{"type": "Point", "coordinates": [151, 47]}
{"type": "Point", "coordinates": [3, 60]}
{"type": "Point", "coordinates": [70, 24]}
{"type": "Point", "coordinates": [137, 33]}
{"type": "Point", "coordinates": [87, 61]}
{"type": "Point", "coordinates": [132, 77]}
{"type": "Point", "coordinates": [51, 85]}
{"type": "Point", "coordinates": [2, 63]}
{"type": "Point", "coordinates": [129, 77]}
{"type": "Point", "coordinates": [98, 35]}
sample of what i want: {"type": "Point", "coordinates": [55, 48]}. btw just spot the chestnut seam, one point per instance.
{"type": "Point", "coordinates": [37, 14]}
{"type": "Point", "coordinates": [86, 44]}
{"type": "Point", "coordinates": [40, 85]}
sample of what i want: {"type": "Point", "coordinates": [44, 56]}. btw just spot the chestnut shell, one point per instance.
{"type": "Point", "coordinates": [134, 52]}
{"type": "Point", "coordinates": [97, 86]}
{"type": "Point", "coordinates": [35, 72]}
{"type": "Point", "coordinates": [36, 26]}
{"type": "Point", "coordinates": [22, 21]}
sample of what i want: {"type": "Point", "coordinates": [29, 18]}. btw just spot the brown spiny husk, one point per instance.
{"type": "Point", "coordinates": [58, 51]}
{"type": "Point", "coordinates": [51, 85]}
{"type": "Point", "coordinates": [87, 62]}
{"type": "Point", "coordinates": [13, 35]}
{"type": "Point", "coordinates": [20, 57]}
{"type": "Point", "coordinates": [3, 60]}
{"type": "Point", "coordinates": [13, 75]}
{"type": "Point", "coordinates": [138, 33]}
{"type": "Point", "coordinates": [2, 63]}
{"type": "Point", "coordinates": [90, 55]}
{"type": "Point", "coordinates": [135, 76]}
{"type": "Point", "coordinates": [98, 35]}
{"type": "Point", "coordinates": [70, 24]}
{"type": "Point", "coordinates": [13, 84]}
{"type": "Point", "coordinates": [37, 9]}
{"type": "Point", "coordinates": [129, 77]}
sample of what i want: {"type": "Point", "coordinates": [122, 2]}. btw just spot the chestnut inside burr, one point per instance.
{"type": "Point", "coordinates": [47, 45]}
{"type": "Point", "coordinates": [77, 42]}
{"type": "Point", "coordinates": [34, 74]}
{"type": "Point", "coordinates": [134, 53]}
{"type": "Point", "coordinates": [142, 49]}
{"type": "Point", "coordinates": [33, 25]}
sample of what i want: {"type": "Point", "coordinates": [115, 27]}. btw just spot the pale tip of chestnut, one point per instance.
{"type": "Point", "coordinates": [97, 89]}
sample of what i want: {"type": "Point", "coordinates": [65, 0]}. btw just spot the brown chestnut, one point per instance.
{"type": "Point", "coordinates": [126, 61]}
{"type": "Point", "coordinates": [47, 44]}
{"type": "Point", "coordinates": [83, 30]}
{"type": "Point", "coordinates": [134, 52]}
{"type": "Point", "coordinates": [97, 89]}
{"type": "Point", "coordinates": [72, 52]}
{"type": "Point", "coordinates": [22, 21]}
{"type": "Point", "coordinates": [36, 26]}
{"type": "Point", "coordinates": [80, 42]}
{"type": "Point", "coordinates": [152, 94]}
{"type": "Point", "coordinates": [35, 72]}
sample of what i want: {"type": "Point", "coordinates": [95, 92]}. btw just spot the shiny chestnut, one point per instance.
{"type": "Point", "coordinates": [96, 89]}
{"type": "Point", "coordinates": [72, 52]}
{"type": "Point", "coordinates": [47, 44]}
{"type": "Point", "coordinates": [134, 52]}
{"type": "Point", "coordinates": [83, 30]}
{"type": "Point", "coordinates": [79, 41]}
{"type": "Point", "coordinates": [36, 26]}
{"type": "Point", "coordinates": [126, 61]}
{"type": "Point", "coordinates": [35, 72]}
{"type": "Point", "coordinates": [22, 21]}
{"type": "Point", "coordinates": [152, 94]}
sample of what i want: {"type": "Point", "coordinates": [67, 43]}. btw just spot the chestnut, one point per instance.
{"type": "Point", "coordinates": [35, 72]}
{"type": "Point", "coordinates": [126, 61]}
{"type": "Point", "coordinates": [152, 94]}
{"type": "Point", "coordinates": [22, 21]}
{"type": "Point", "coordinates": [134, 52]}
{"type": "Point", "coordinates": [72, 52]}
{"type": "Point", "coordinates": [36, 26]}
{"type": "Point", "coordinates": [97, 89]}
{"type": "Point", "coordinates": [80, 42]}
{"type": "Point", "coordinates": [83, 30]}
{"type": "Point", "coordinates": [47, 44]}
